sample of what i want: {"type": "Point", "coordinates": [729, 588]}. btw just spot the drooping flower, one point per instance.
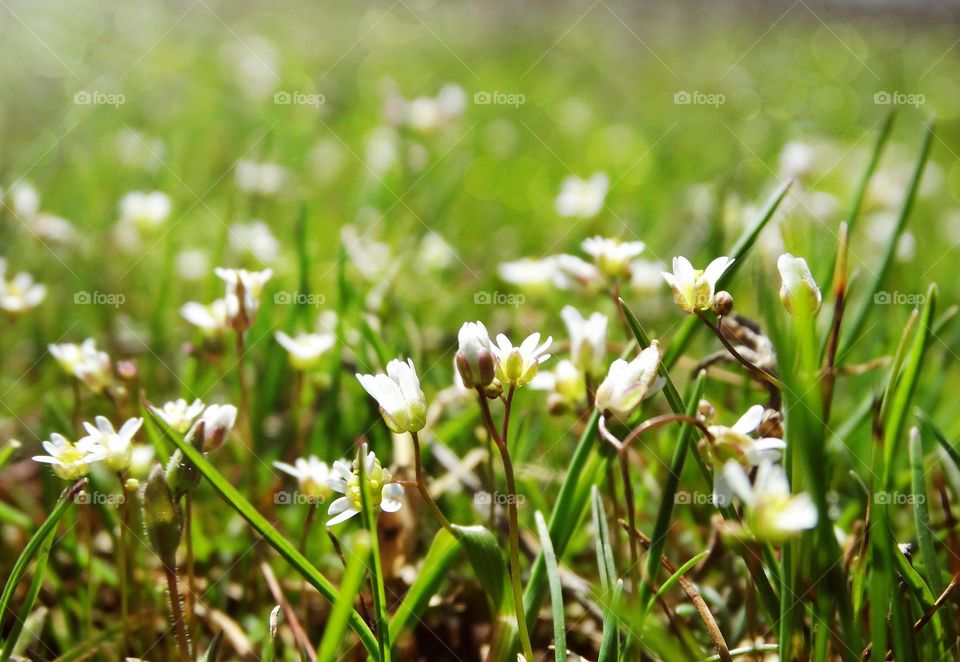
{"type": "Point", "coordinates": [516, 366]}
{"type": "Point", "coordinates": [19, 294]}
{"type": "Point", "coordinates": [85, 362]}
{"type": "Point", "coordinates": [474, 358]}
{"type": "Point", "coordinates": [694, 289]}
{"type": "Point", "coordinates": [735, 443]}
{"type": "Point", "coordinates": [313, 476]}
{"type": "Point", "coordinates": [772, 514]}
{"type": "Point", "coordinates": [217, 421]}
{"type": "Point", "coordinates": [588, 339]}
{"type": "Point", "coordinates": [383, 493]}
{"type": "Point", "coordinates": [582, 198]}
{"type": "Point", "coordinates": [612, 256]}
{"type": "Point", "coordinates": [251, 283]}
{"type": "Point", "coordinates": [145, 211]}
{"type": "Point", "coordinates": [305, 349]}
{"type": "Point", "coordinates": [69, 460]}
{"type": "Point", "coordinates": [179, 415]}
{"type": "Point", "coordinates": [627, 384]}
{"type": "Point", "coordinates": [116, 445]}
{"type": "Point", "coordinates": [799, 292]}
{"type": "Point", "coordinates": [211, 319]}
{"type": "Point", "coordinates": [402, 403]}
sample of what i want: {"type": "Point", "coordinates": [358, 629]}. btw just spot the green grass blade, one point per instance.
{"type": "Point", "coordinates": [556, 594]}
{"type": "Point", "coordinates": [601, 538]}
{"type": "Point", "coordinates": [39, 570]}
{"type": "Point", "coordinates": [675, 577]}
{"type": "Point", "coordinates": [337, 623]}
{"type": "Point", "coordinates": [440, 558]}
{"type": "Point", "coordinates": [611, 626]}
{"type": "Point", "coordinates": [488, 562]}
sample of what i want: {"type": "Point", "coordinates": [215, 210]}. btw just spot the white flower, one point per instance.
{"type": "Point", "coordinates": [259, 178]}
{"type": "Point", "coordinates": [371, 258]}
{"type": "Point", "coordinates": [530, 273]}
{"type": "Point", "coordinates": [427, 114]}
{"type": "Point", "coordinates": [576, 273]}
{"type": "Point", "coordinates": [211, 319]}
{"type": "Point", "coordinates": [24, 200]}
{"type": "Point", "coordinates": [627, 384]}
{"type": "Point", "coordinates": [516, 366]}
{"type": "Point", "coordinates": [382, 491]}
{"type": "Point", "coordinates": [645, 276]}
{"type": "Point", "coordinates": [693, 289]}
{"type": "Point", "coordinates": [19, 294]}
{"type": "Point", "coordinates": [252, 283]}
{"type": "Point", "coordinates": [402, 403]}
{"type": "Point", "coordinates": [582, 197]}
{"type": "Point", "coordinates": [69, 460]}
{"type": "Point", "coordinates": [612, 256]}
{"type": "Point", "coordinates": [145, 211]}
{"type": "Point", "coordinates": [796, 159]}
{"type": "Point", "coordinates": [193, 264]}
{"type": "Point", "coordinates": [217, 421]}
{"type": "Point", "coordinates": [566, 383]}
{"type": "Point", "coordinates": [84, 362]}
{"type": "Point", "coordinates": [256, 239]}
{"type": "Point", "coordinates": [799, 292]}
{"type": "Point", "coordinates": [588, 339]}
{"type": "Point", "coordinates": [772, 513]}
{"type": "Point", "coordinates": [53, 228]}
{"type": "Point", "coordinates": [178, 414]}
{"type": "Point", "coordinates": [313, 476]}
{"type": "Point", "coordinates": [434, 253]}
{"type": "Point", "coordinates": [474, 358]}
{"type": "Point", "coordinates": [117, 446]}
{"type": "Point", "coordinates": [305, 349]}
{"type": "Point", "coordinates": [734, 443]}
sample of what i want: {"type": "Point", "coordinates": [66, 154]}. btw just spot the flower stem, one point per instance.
{"type": "Point", "coordinates": [244, 390]}
{"type": "Point", "coordinates": [176, 610]}
{"type": "Point", "coordinates": [758, 373]}
{"type": "Point", "coordinates": [191, 581]}
{"type": "Point", "coordinates": [307, 523]}
{"type": "Point", "coordinates": [122, 565]}
{"type": "Point", "coordinates": [424, 492]}
{"type": "Point", "coordinates": [376, 566]}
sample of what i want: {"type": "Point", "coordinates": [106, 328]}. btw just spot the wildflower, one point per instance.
{"type": "Point", "coordinates": [84, 362]}
{"type": "Point", "coordinates": [217, 421]}
{"type": "Point", "coordinates": [530, 273]}
{"type": "Point", "coordinates": [588, 339]}
{"type": "Point", "coordinates": [256, 239]}
{"type": "Point", "coordinates": [193, 264]}
{"type": "Point", "coordinates": [145, 211]}
{"type": "Point", "coordinates": [371, 258]}
{"type": "Point", "coordinates": [24, 200]}
{"type": "Point", "coordinates": [210, 319]}
{"type": "Point", "coordinates": [799, 292]}
{"type": "Point", "coordinates": [305, 349]}
{"type": "Point", "coordinates": [382, 491]}
{"type": "Point", "coordinates": [69, 460]}
{"type": "Point", "coordinates": [313, 476]}
{"type": "Point", "coordinates": [694, 289]}
{"type": "Point", "coordinates": [516, 366]}
{"type": "Point", "coordinates": [612, 256]}
{"type": "Point", "coordinates": [474, 358]}
{"type": "Point", "coordinates": [576, 273]}
{"type": "Point", "coordinates": [566, 383]}
{"type": "Point", "coordinates": [117, 446]}
{"type": "Point", "coordinates": [582, 198]}
{"type": "Point", "coordinates": [259, 178]}
{"type": "Point", "coordinates": [797, 159]}
{"type": "Point", "coordinates": [402, 403]}
{"type": "Point", "coordinates": [178, 414]}
{"type": "Point", "coordinates": [251, 284]}
{"type": "Point", "coordinates": [772, 514]}
{"type": "Point", "coordinates": [627, 384]}
{"type": "Point", "coordinates": [734, 443]}
{"type": "Point", "coordinates": [645, 276]}
{"type": "Point", "coordinates": [19, 294]}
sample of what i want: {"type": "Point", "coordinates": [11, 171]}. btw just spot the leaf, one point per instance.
{"type": "Point", "coordinates": [611, 624]}
{"type": "Point", "coordinates": [440, 557]}
{"type": "Point", "coordinates": [39, 570]}
{"type": "Point", "coordinates": [350, 584]}
{"type": "Point", "coordinates": [556, 594]}
{"type": "Point", "coordinates": [488, 562]}
{"type": "Point", "coordinates": [213, 652]}
{"type": "Point", "coordinates": [601, 537]}
{"type": "Point", "coordinates": [283, 547]}
{"type": "Point", "coordinates": [675, 577]}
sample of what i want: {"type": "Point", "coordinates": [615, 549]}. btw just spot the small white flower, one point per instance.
{"type": "Point", "coordinates": [305, 349]}
{"type": "Point", "coordinates": [85, 362]}
{"type": "Point", "coordinates": [193, 264]}
{"type": "Point", "coordinates": [256, 239]}
{"type": "Point", "coordinates": [211, 319]}
{"type": "Point", "coordinates": [582, 198]}
{"type": "Point", "coordinates": [117, 446]}
{"type": "Point", "coordinates": [24, 200]}
{"type": "Point", "coordinates": [530, 273]}
{"type": "Point", "coordinates": [313, 476]}
{"type": "Point", "coordinates": [260, 178]}
{"type": "Point", "coordinates": [402, 403]}
{"type": "Point", "coordinates": [566, 384]}
{"type": "Point", "coordinates": [772, 513]}
{"type": "Point", "coordinates": [627, 384]}
{"type": "Point", "coordinates": [20, 294]}
{"type": "Point", "coordinates": [179, 415]}
{"type": "Point", "coordinates": [613, 256]}
{"type": "Point", "coordinates": [588, 339]}
{"type": "Point", "coordinates": [735, 443]}
{"type": "Point", "coordinates": [796, 159]}
{"type": "Point", "coordinates": [217, 421]}
{"type": "Point", "coordinates": [474, 358]}
{"type": "Point", "coordinates": [645, 276]}
{"type": "Point", "coordinates": [576, 273]}
{"type": "Point", "coordinates": [516, 366]}
{"type": "Point", "coordinates": [53, 228]}
{"type": "Point", "coordinates": [251, 282]}
{"type": "Point", "coordinates": [69, 460]}
{"type": "Point", "coordinates": [799, 292]}
{"type": "Point", "coordinates": [694, 289]}
{"type": "Point", "coordinates": [383, 493]}
{"type": "Point", "coordinates": [145, 211]}
{"type": "Point", "coordinates": [371, 258]}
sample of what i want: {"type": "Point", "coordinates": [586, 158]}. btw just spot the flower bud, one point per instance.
{"type": "Point", "coordinates": [799, 292]}
{"type": "Point", "coordinates": [217, 422]}
{"type": "Point", "coordinates": [474, 360]}
{"type": "Point", "coordinates": [162, 517]}
{"type": "Point", "coordinates": [493, 390]}
{"type": "Point", "coordinates": [722, 303]}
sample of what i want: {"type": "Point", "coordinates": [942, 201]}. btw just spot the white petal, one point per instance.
{"type": "Point", "coordinates": [749, 421]}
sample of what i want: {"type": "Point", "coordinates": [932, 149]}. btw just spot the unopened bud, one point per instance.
{"type": "Point", "coordinates": [705, 411]}
{"type": "Point", "coordinates": [799, 292]}
{"type": "Point", "coordinates": [161, 517]}
{"type": "Point", "coordinates": [722, 303]}
{"type": "Point", "coordinates": [127, 370]}
{"type": "Point", "coordinates": [131, 485]}
{"type": "Point", "coordinates": [493, 390]}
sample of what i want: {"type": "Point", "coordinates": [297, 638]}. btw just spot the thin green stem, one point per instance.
{"type": "Point", "coordinates": [176, 611]}
{"type": "Point", "coordinates": [424, 492]}
{"type": "Point", "coordinates": [376, 569]}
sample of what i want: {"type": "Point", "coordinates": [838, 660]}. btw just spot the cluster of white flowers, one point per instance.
{"type": "Point", "coordinates": [237, 309]}
{"type": "Point", "coordinates": [23, 201]}
{"type": "Point", "coordinates": [141, 215]}
{"type": "Point", "coordinates": [582, 198]}
{"type": "Point", "coordinates": [426, 114]}
{"type": "Point", "coordinates": [85, 362]}
{"type": "Point", "coordinates": [102, 443]}
{"type": "Point", "coordinates": [20, 293]}
{"type": "Point", "coordinates": [263, 179]}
